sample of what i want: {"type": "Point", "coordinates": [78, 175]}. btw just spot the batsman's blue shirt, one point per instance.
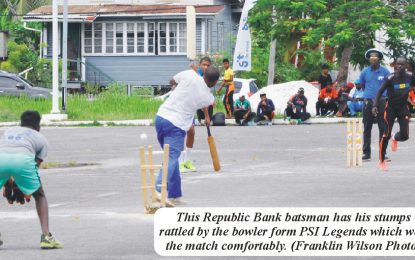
{"type": "Point", "coordinates": [372, 81]}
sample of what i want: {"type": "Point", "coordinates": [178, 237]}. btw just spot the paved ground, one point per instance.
{"type": "Point", "coordinates": [97, 210]}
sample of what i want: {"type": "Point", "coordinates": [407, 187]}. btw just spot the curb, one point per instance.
{"type": "Point", "coordinates": [144, 122]}
{"type": "Point", "coordinates": [334, 120]}
{"type": "Point", "coordinates": [149, 122]}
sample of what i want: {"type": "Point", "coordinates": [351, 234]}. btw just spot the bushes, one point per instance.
{"type": "Point", "coordinates": [23, 47]}
{"type": "Point", "coordinates": [310, 65]}
{"type": "Point", "coordinates": [21, 58]}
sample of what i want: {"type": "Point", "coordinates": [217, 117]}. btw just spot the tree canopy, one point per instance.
{"type": "Point", "coordinates": [350, 26]}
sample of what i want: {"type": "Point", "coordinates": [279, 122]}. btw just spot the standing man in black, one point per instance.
{"type": "Point", "coordinates": [372, 79]}
{"type": "Point", "coordinates": [398, 85]}
{"type": "Point", "coordinates": [325, 78]}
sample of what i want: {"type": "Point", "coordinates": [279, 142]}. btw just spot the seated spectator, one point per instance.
{"type": "Point", "coordinates": [326, 104]}
{"type": "Point", "coordinates": [265, 110]}
{"type": "Point", "coordinates": [411, 66]}
{"type": "Point", "coordinates": [411, 101]}
{"type": "Point", "coordinates": [297, 107]}
{"type": "Point", "coordinates": [355, 102]}
{"type": "Point", "coordinates": [201, 114]}
{"type": "Point", "coordinates": [343, 97]}
{"type": "Point", "coordinates": [242, 111]}
{"type": "Point", "coordinates": [325, 78]}
{"type": "Point", "coordinates": [411, 97]}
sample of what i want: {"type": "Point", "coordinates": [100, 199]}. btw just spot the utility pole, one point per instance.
{"type": "Point", "coordinates": [65, 55]}
{"type": "Point", "coordinates": [271, 62]}
{"type": "Point", "coordinates": [55, 59]}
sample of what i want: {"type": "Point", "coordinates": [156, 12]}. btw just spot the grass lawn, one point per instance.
{"type": "Point", "coordinates": [106, 106]}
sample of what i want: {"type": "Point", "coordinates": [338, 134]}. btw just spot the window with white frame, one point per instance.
{"type": "Point", "coordinates": [97, 37]}
{"type": "Point", "coordinates": [88, 38]}
{"type": "Point", "coordinates": [151, 34]}
{"type": "Point", "coordinates": [119, 37]}
{"type": "Point", "coordinates": [162, 38]}
{"type": "Point", "coordinates": [182, 38]}
{"type": "Point", "coordinates": [109, 37]}
{"type": "Point", "coordinates": [173, 42]}
{"type": "Point", "coordinates": [173, 37]}
{"type": "Point", "coordinates": [141, 39]}
{"type": "Point", "coordinates": [130, 38]}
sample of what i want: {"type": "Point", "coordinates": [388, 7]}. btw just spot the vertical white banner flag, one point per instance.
{"type": "Point", "coordinates": [242, 54]}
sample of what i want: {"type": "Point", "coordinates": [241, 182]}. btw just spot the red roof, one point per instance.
{"type": "Point", "coordinates": [128, 9]}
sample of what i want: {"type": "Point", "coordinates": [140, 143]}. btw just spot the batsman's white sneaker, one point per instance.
{"type": "Point", "coordinates": [169, 203]}
{"type": "Point", "coordinates": [178, 201]}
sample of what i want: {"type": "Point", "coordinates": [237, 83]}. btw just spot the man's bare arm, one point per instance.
{"type": "Point", "coordinates": [206, 112]}
{"type": "Point", "coordinates": [173, 84]}
{"type": "Point", "coordinates": [38, 162]}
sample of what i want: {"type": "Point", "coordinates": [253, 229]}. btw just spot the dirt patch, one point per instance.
{"type": "Point", "coordinates": [52, 165]}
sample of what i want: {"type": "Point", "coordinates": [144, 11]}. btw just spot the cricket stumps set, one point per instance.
{"type": "Point", "coordinates": [151, 199]}
{"type": "Point", "coordinates": [354, 142]}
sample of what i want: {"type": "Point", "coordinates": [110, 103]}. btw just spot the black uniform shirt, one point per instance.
{"type": "Point", "coordinates": [324, 81]}
{"type": "Point", "coordinates": [398, 88]}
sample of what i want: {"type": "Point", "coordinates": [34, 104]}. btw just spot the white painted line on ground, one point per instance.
{"type": "Point", "coordinates": [109, 194]}
{"type": "Point", "coordinates": [158, 152]}
{"type": "Point", "coordinates": [31, 214]}
{"type": "Point", "coordinates": [57, 205]}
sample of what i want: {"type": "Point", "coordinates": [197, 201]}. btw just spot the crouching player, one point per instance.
{"type": "Point", "coordinates": [22, 150]}
{"type": "Point", "coordinates": [398, 85]}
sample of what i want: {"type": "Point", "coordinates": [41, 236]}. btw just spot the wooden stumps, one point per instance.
{"type": "Point", "coordinates": [354, 148]}
{"type": "Point", "coordinates": [151, 200]}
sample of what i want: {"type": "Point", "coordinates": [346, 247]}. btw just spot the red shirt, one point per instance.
{"type": "Point", "coordinates": [324, 94]}
{"type": "Point", "coordinates": [412, 96]}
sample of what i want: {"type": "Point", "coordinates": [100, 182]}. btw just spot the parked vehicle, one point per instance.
{"type": "Point", "coordinates": [15, 85]}
{"type": "Point", "coordinates": [245, 87]}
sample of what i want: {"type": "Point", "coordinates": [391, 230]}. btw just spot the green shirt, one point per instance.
{"type": "Point", "coordinates": [245, 104]}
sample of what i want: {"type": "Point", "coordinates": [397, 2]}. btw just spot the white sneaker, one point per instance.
{"type": "Point", "coordinates": [178, 201]}
{"type": "Point", "coordinates": [169, 203]}
{"type": "Point", "coordinates": [329, 113]}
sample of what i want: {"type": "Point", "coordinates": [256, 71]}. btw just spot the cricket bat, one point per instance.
{"type": "Point", "coordinates": [213, 151]}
